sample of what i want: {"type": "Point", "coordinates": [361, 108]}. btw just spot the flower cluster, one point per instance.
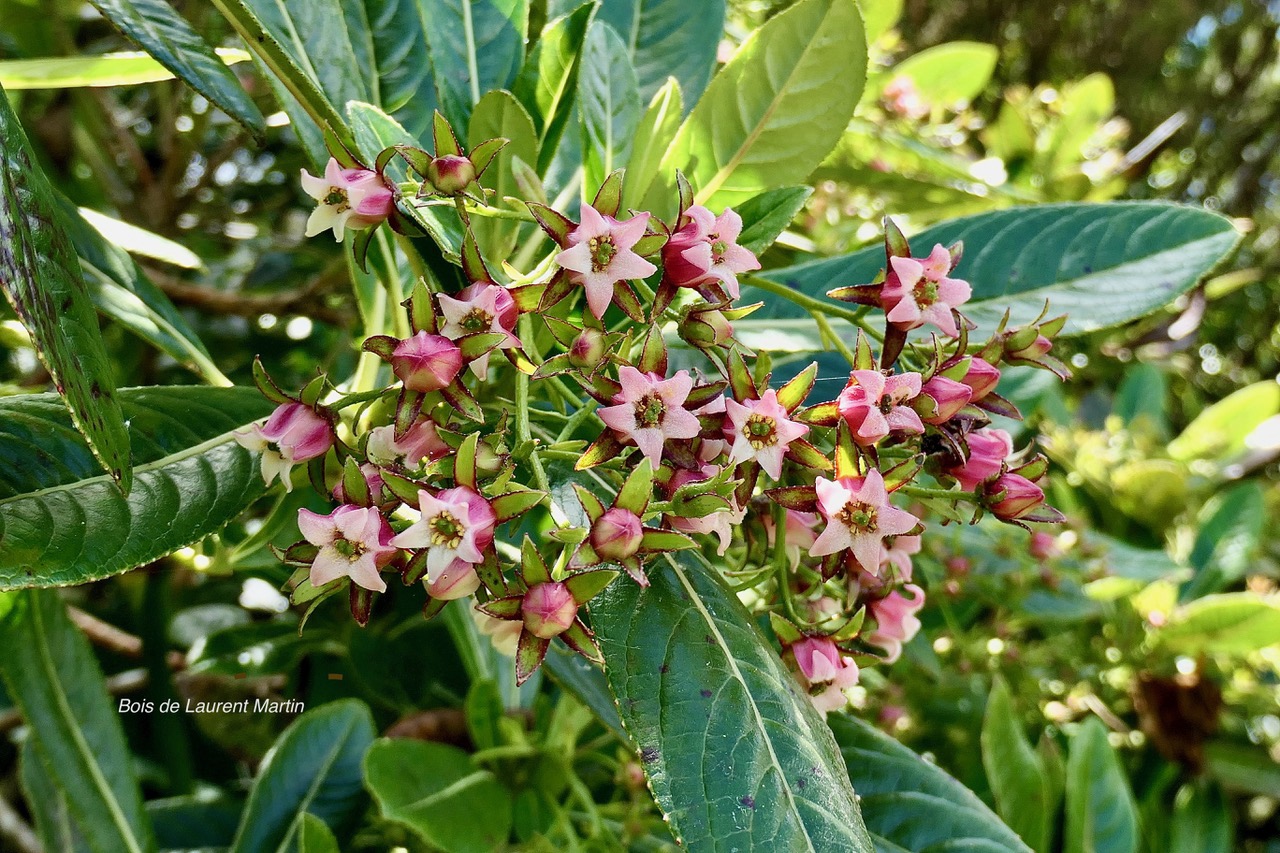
{"type": "Point", "coordinates": [821, 502]}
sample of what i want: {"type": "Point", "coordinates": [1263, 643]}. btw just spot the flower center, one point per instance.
{"type": "Point", "coordinates": [446, 530]}
{"type": "Point", "coordinates": [350, 551]}
{"type": "Point", "coordinates": [925, 292]}
{"type": "Point", "coordinates": [476, 320]}
{"type": "Point", "coordinates": [718, 247]}
{"type": "Point", "coordinates": [337, 199]}
{"type": "Point", "coordinates": [649, 411]}
{"type": "Point", "coordinates": [761, 431]}
{"type": "Point", "coordinates": [858, 517]}
{"type": "Point", "coordinates": [602, 252]}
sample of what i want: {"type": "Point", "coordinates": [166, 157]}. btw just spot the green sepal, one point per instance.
{"type": "Point", "coordinates": [578, 638]}
{"type": "Point", "coordinates": [361, 600]}
{"type": "Point", "coordinates": [638, 489]}
{"type": "Point", "coordinates": [792, 394]}
{"type": "Point", "coordinates": [585, 586]}
{"type": "Point", "coordinates": [529, 654]}
{"type": "Point", "coordinates": [503, 608]}
{"type": "Point", "coordinates": [422, 314]}
{"type": "Point", "coordinates": [798, 498]}
{"type": "Point", "coordinates": [850, 629]}
{"type": "Point", "coordinates": [554, 223]}
{"type": "Point", "coordinates": [408, 407]}
{"type": "Point", "coordinates": [786, 630]}
{"type": "Point", "coordinates": [517, 502]}
{"type": "Point", "coordinates": [553, 366]}
{"type": "Point", "coordinates": [740, 379]}
{"type": "Point", "coordinates": [360, 247]}
{"type": "Point", "coordinates": [700, 395]}
{"type": "Point", "coordinates": [895, 242]}
{"type": "Point", "coordinates": [533, 569]}
{"type": "Point", "coordinates": [473, 266]}
{"type": "Point", "coordinates": [433, 607]}
{"type": "Point", "coordinates": [403, 488]}
{"type": "Point", "coordinates": [475, 345]}
{"type": "Point", "coordinates": [416, 569]}
{"type": "Point", "coordinates": [266, 385]}
{"type": "Point", "coordinates": [653, 353]}
{"type": "Point", "coordinates": [625, 298]}
{"type": "Point", "coordinates": [608, 200]}
{"type": "Point", "coordinates": [313, 390]}
{"type": "Point", "coordinates": [383, 346]}
{"type": "Point", "coordinates": [591, 504]}
{"type": "Point", "coordinates": [823, 414]}
{"type": "Point", "coordinates": [685, 190]}
{"type": "Point", "coordinates": [650, 244]}
{"type": "Point", "coordinates": [355, 488]}
{"type": "Point", "coordinates": [445, 139]}
{"type": "Point", "coordinates": [460, 398]}
{"type": "Point", "coordinates": [603, 449]}
{"type": "Point", "coordinates": [863, 357]}
{"type": "Point", "coordinates": [464, 465]}
{"type": "Point", "coordinates": [665, 540]}
{"type": "Point", "coordinates": [482, 155]}
{"type": "Point", "coordinates": [803, 453]}
{"type": "Point", "coordinates": [847, 456]}
{"type": "Point", "coordinates": [904, 472]}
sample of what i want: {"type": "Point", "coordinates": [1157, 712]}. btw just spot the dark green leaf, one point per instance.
{"type": "Point", "coordinates": [1101, 814]}
{"type": "Point", "coordinates": [772, 114]}
{"type": "Point", "coordinates": [767, 215]}
{"type": "Point", "coordinates": [548, 82]}
{"type": "Point", "coordinates": [314, 768]}
{"type": "Point", "coordinates": [654, 134]}
{"type": "Point", "coordinates": [607, 104]}
{"type": "Point", "coordinates": [1243, 767]}
{"type": "Point", "coordinates": [1014, 771]}
{"type": "Point", "coordinates": [390, 36]}
{"type": "Point", "coordinates": [476, 46]}
{"type": "Point", "coordinates": [669, 38]}
{"type": "Point", "coordinates": [587, 682]}
{"type": "Point", "coordinates": [1140, 399]}
{"type": "Point", "coordinates": [163, 33]}
{"type": "Point", "coordinates": [437, 792]}
{"type": "Point", "coordinates": [1201, 820]}
{"type": "Point", "coordinates": [63, 523]}
{"type": "Point", "coordinates": [40, 276]}
{"type": "Point", "coordinates": [48, 805]}
{"type": "Point", "coordinates": [910, 804]}
{"type": "Point", "coordinates": [1102, 265]}
{"type": "Point", "coordinates": [195, 820]}
{"type": "Point", "coordinates": [1230, 531]}
{"type": "Point", "coordinates": [499, 114]}
{"type": "Point", "coordinates": [736, 754]}
{"type": "Point", "coordinates": [51, 673]}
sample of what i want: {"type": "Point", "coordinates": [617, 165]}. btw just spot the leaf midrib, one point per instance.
{"type": "Point", "coordinates": [696, 600]}
{"type": "Point", "coordinates": [330, 759]}
{"type": "Point", "coordinates": [51, 678]}
{"type": "Point", "coordinates": [722, 174]}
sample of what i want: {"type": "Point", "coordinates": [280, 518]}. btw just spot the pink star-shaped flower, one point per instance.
{"type": "Point", "coordinates": [761, 430]}
{"type": "Point", "coordinates": [896, 620]}
{"type": "Point", "coordinates": [821, 663]}
{"type": "Point", "coordinates": [875, 405]}
{"type": "Point", "coordinates": [859, 517]}
{"type": "Point", "coordinates": [707, 250]}
{"type": "Point", "coordinates": [348, 198]}
{"type": "Point", "coordinates": [599, 255]}
{"type": "Point", "coordinates": [456, 526]}
{"type": "Point", "coordinates": [918, 291]}
{"type": "Point", "coordinates": [896, 553]}
{"type": "Point", "coordinates": [651, 410]}
{"type": "Point", "coordinates": [354, 542]}
{"type": "Point", "coordinates": [480, 308]}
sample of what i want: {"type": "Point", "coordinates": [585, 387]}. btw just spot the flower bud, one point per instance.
{"type": "Point", "coordinates": [988, 448]}
{"type": "Point", "coordinates": [982, 378]}
{"type": "Point", "coordinates": [450, 174]}
{"type": "Point", "coordinates": [940, 399]}
{"type": "Point", "coordinates": [686, 257]}
{"type": "Point", "coordinates": [426, 362]}
{"type": "Point", "coordinates": [1013, 496]}
{"type": "Point", "coordinates": [549, 610]}
{"type": "Point", "coordinates": [1038, 347]}
{"type": "Point", "coordinates": [1042, 545]}
{"type": "Point", "coordinates": [706, 328]}
{"type": "Point", "coordinates": [587, 350]}
{"type": "Point", "coordinates": [616, 535]}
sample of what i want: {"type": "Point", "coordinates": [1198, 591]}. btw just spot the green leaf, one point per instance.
{"type": "Point", "coordinates": [949, 73]}
{"type": "Point", "coordinates": [608, 104]}
{"type": "Point", "coordinates": [668, 38]}
{"type": "Point", "coordinates": [1014, 771]}
{"type": "Point", "coordinates": [476, 46]}
{"type": "Point", "coordinates": [313, 768]}
{"type": "Point", "coordinates": [1243, 767]}
{"type": "Point", "coordinates": [52, 675]}
{"type": "Point", "coordinates": [163, 33]}
{"type": "Point", "coordinates": [194, 821]}
{"type": "Point", "coordinates": [47, 804]}
{"type": "Point", "coordinates": [390, 36]}
{"type": "Point", "coordinates": [1201, 820]}
{"type": "Point", "coordinates": [768, 215]}
{"type": "Point", "coordinates": [695, 678]}
{"type": "Point", "coordinates": [122, 292]}
{"type": "Point", "coordinates": [1220, 431]}
{"type": "Point", "coordinates": [499, 114]}
{"type": "Point", "coordinates": [315, 836]}
{"type": "Point", "coordinates": [909, 803]}
{"type": "Point", "coordinates": [1101, 264]}
{"type": "Point", "coordinates": [40, 276]}
{"type": "Point", "coordinates": [1231, 623]}
{"type": "Point", "coordinates": [879, 16]}
{"type": "Point", "coordinates": [548, 83]}
{"type": "Point", "coordinates": [653, 136]}
{"type": "Point", "coordinates": [772, 114]}
{"type": "Point", "coordinates": [1101, 814]}
{"type": "Point", "coordinates": [305, 46]}
{"type": "Point", "coordinates": [437, 792]}
{"type": "Point", "coordinates": [63, 523]}
{"type": "Point", "coordinates": [1229, 532]}
{"type": "Point", "coordinates": [1140, 399]}
{"type": "Point", "coordinates": [123, 68]}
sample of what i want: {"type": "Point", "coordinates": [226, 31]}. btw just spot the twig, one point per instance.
{"type": "Point", "coordinates": [16, 830]}
{"type": "Point", "coordinates": [305, 301]}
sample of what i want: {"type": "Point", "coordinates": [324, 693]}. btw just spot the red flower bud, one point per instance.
{"type": "Point", "coordinates": [426, 362]}
{"type": "Point", "coordinates": [450, 174]}
{"type": "Point", "coordinates": [982, 378]}
{"type": "Point", "coordinates": [549, 610]}
{"type": "Point", "coordinates": [940, 399]}
{"type": "Point", "coordinates": [616, 535]}
{"type": "Point", "coordinates": [1013, 496]}
{"type": "Point", "coordinates": [587, 350]}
